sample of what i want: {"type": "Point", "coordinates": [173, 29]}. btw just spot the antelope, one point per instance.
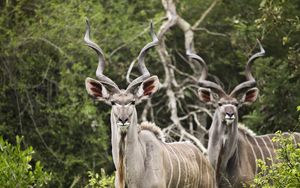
{"type": "Point", "coordinates": [233, 150]}
{"type": "Point", "coordinates": [141, 157]}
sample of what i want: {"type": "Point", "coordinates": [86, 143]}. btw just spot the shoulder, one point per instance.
{"type": "Point", "coordinates": [245, 130]}
{"type": "Point", "coordinates": [152, 128]}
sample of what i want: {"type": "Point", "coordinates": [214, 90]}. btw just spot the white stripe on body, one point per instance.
{"type": "Point", "coordinates": [262, 138]}
{"type": "Point", "coordinates": [200, 179]}
{"type": "Point", "coordinates": [178, 165]}
{"type": "Point", "coordinates": [184, 162]}
{"type": "Point", "coordinates": [191, 167]}
{"type": "Point", "coordinates": [171, 164]}
{"type": "Point", "coordinates": [254, 154]}
{"type": "Point", "coordinates": [207, 175]}
{"type": "Point", "coordinates": [271, 143]}
{"type": "Point", "coordinates": [260, 150]}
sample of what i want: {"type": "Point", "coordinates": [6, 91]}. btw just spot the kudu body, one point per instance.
{"type": "Point", "coordinates": [233, 150]}
{"type": "Point", "coordinates": [141, 158]}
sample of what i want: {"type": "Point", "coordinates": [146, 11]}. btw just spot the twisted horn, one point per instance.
{"type": "Point", "coordinates": [202, 80]}
{"type": "Point", "coordinates": [141, 64]}
{"type": "Point", "coordinates": [250, 80]}
{"type": "Point", "coordinates": [101, 61]}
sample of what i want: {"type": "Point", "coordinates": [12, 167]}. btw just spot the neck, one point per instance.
{"type": "Point", "coordinates": [222, 143]}
{"type": "Point", "coordinates": [126, 149]}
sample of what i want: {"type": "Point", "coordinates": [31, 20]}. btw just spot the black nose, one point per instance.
{"type": "Point", "coordinates": [230, 114]}
{"type": "Point", "coordinates": [123, 120]}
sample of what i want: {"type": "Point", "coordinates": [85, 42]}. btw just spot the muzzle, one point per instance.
{"type": "Point", "coordinates": [229, 116]}
{"type": "Point", "coordinates": [123, 124]}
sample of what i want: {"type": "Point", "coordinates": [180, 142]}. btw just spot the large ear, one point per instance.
{"type": "Point", "coordinates": [96, 89]}
{"type": "Point", "coordinates": [249, 96]}
{"type": "Point", "coordinates": [207, 96]}
{"type": "Point", "coordinates": [148, 87]}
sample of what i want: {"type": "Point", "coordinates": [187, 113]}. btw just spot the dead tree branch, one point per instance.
{"type": "Point", "coordinates": [178, 88]}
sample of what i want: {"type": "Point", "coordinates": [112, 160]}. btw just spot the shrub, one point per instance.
{"type": "Point", "coordinates": [17, 168]}
{"type": "Point", "coordinates": [100, 181]}
{"type": "Point", "coordinates": [286, 173]}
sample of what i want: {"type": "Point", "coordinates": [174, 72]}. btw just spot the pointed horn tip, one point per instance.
{"type": "Point", "coordinates": [261, 47]}
{"type": "Point", "coordinates": [152, 33]}
{"type": "Point", "coordinates": [87, 32]}
{"type": "Point", "coordinates": [87, 23]}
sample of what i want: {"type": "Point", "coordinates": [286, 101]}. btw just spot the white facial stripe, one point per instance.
{"type": "Point", "coordinates": [229, 121]}
{"type": "Point", "coordinates": [119, 124]}
{"type": "Point", "coordinates": [123, 127]}
{"type": "Point", "coordinates": [229, 117]}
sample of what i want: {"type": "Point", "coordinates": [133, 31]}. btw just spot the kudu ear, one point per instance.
{"type": "Point", "coordinates": [96, 89]}
{"type": "Point", "coordinates": [249, 96]}
{"type": "Point", "coordinates": [147, 88]}
{"type": "Point", "coordinates": [207, 96]}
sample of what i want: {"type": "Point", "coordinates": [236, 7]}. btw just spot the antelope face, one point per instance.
{"type": "Point", "coordinates": [123, 106]}
{"type": "Point", "coordinates": [228, 110]}
{"type": "Point", "coordinates": [227, 105]}
{"type": "Point", "coordinates": [123, 101]}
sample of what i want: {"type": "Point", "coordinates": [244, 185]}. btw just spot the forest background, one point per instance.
{"type": "Point", "coordinates": [44, 62]}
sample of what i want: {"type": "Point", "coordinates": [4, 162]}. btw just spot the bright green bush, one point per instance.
{"type": "Point", "coordinates": [17, 169]}
{"type": "Point", "coordinates": [286, 173]}
{"type": "Point", "coordinates": [100, 181]}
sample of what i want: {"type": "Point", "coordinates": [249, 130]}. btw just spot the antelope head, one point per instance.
{"type": "Point", "coordinates": [227, 105]}
{"type": "Point", "coordinates": [123, 101]}
{"type": "Point", "coordinates": [223, 131]}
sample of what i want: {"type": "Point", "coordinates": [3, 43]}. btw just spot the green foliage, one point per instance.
{"type": "Point", "coordinates": [17, 169]}
{"type": "Point", "coordinates": [100, 181]}
{"type": "Point", "coordinates": [44, 62]}
{"type": "Point", "coordinates": [286, 173]}
{"type": "Point", "coordinates": [278, 75]}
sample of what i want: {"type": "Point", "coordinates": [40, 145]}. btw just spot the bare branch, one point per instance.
{"type": "Point", "coordinates": [204, 15]}
{"type": "Point", "coordinates": [134, 38]}
{"type": "Point", "coordinates": [177, 89]}
{"type": "Point", "coordinates": [210, 32]}
{"type": "Point", "coordinates": [31, 114]}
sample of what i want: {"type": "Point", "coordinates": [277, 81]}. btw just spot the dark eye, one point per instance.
{"type": "Point", "coordinates": [220, 104]}
{"type": "Point", "coordinates": [235, 104]}
{"type": "Point", "coordinates": [113, 102]}
{"type": "Point", "coordinates": [132, 102]}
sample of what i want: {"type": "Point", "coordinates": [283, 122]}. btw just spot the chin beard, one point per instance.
{"type": "Point", "coordinates": [123, 127]}
{"type": "Point", "coordinates": [229, 121]}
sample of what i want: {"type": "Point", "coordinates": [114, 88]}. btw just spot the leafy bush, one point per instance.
{"type": "Point", "coordinates": [16, 166]}
{"type": "Point", "coordinates": [286, 173]}
{"type": "Point", "coordinates": [101, 180]}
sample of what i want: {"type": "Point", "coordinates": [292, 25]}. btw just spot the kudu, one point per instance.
{"type": "Point", "coordinates": [233, 150]}
{"type": "Point", "coordinates": [141, 158]}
